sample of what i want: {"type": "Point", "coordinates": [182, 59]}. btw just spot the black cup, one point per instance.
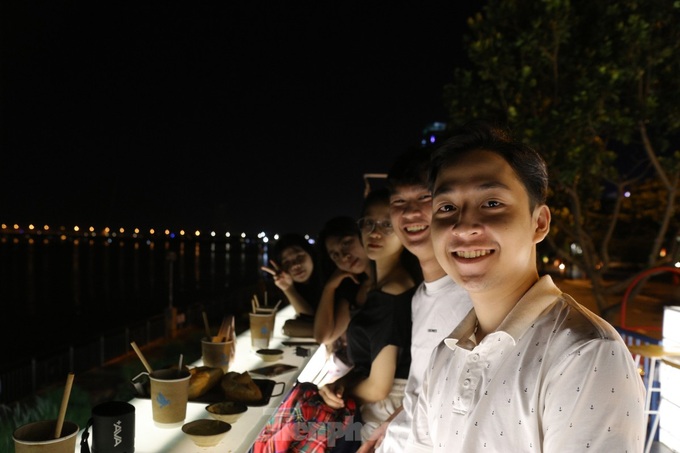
{"type": "Point", "coordinates": [113, 428]}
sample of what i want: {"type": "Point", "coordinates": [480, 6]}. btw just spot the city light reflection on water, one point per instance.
{"type": "Point", "coordinates": [60, 285]}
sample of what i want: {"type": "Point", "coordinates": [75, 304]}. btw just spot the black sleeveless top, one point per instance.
{"type": "Point", "coordinates": [385, 319]}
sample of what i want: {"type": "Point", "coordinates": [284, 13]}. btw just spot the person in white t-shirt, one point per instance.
{"type": "Point", "coordinates": [529, 369]}
{"type": "Point", "coordinates": [438, 305]}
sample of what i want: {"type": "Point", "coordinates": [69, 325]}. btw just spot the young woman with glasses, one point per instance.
{"type": "Point", "coordinates": [379, 334]}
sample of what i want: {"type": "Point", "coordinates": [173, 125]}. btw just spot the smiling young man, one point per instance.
{"type": "Point", "coordinates": [528, 369]}
{"type": "Point", "coordinates": [438, 305]}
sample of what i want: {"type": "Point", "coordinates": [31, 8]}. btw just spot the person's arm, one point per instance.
{"type": "Point", "coordinates": [594, 397]}
{"type": "Point", "coordinates": [378, 434]}
{"type": "Point", "coordinates": [378, 384]}
{"type": "Point", "coordinates": [375, 387]}
{"type": "Point", "coordinates": [419, 440]}
{"type": "Point", "coordinates": [330, 322]}
{"type": "Point", "coordinates": [301, 306]}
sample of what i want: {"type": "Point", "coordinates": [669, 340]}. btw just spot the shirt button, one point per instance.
{"type": "Point", "coordinates": [466, 383]}
{"type": "Point", "coordinates": [474, 357]}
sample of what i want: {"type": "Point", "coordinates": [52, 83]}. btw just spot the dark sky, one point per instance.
{"type": "Point", "coordinates": [240, 116]}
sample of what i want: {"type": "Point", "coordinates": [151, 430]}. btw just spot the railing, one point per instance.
{"type": "Point", "coordinates": [633, 338]}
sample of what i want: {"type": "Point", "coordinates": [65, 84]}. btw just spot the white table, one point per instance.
{"type": "Point", "coordinates": [151, 439]}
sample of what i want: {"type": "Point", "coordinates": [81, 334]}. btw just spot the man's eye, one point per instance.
{"type": "Point", "coordinates": [493, 203]}
{"type": "Point", "coordinates": [427, 197]}
{"type": "Point", "coordinates": [446, 208]}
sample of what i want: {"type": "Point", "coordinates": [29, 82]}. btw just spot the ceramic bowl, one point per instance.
{"type": "Point", "coordinates": [227, 411]}
{"type": "Point", "coordinates": [205, 432]}
{"type": "Point", "coordinates": [270, 355]}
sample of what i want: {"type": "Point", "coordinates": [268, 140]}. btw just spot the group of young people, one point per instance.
{"type": "Point", "coordinates": [452, 340]}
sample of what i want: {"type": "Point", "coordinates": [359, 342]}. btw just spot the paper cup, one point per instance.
{"type": "Point", "coordinates": [169, 397]}
{"type": "Point", "coordinates": [38, 437]}
{"type": "Point", "coordinates": [217, 354]}
{"type": "Point", "coordinates": [261, 330]}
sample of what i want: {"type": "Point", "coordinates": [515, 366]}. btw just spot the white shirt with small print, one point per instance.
{"type": "Point", "coordinates": [553, 377]}
{"type": "Point", "coordinates": [436, 308]}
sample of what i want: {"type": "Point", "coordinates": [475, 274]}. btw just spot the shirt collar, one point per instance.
{"type": "Point", "coordinates": [538, 298]}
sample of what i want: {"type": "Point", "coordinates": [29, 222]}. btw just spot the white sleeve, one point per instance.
{"type": "Point", "coordinates": [594, 399]}
{"type": "Point", "coordinates": [419, 440]}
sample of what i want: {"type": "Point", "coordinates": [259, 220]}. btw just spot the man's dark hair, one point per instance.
{"type": "Point", "coordinates": [409, 169]}
{"type": "Point", "coordinates": [482, 135]}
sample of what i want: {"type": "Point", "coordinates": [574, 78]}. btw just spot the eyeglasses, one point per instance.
{"type": "Point", "coordinates": [368, 225]}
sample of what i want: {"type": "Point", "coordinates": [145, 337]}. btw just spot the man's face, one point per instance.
{"type": "Point", "coordinates": [411, 214]}
{"type": "Point", "coordinates": [482, 231]}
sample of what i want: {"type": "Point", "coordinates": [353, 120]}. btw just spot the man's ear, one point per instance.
{"type": "Point", "coordinates": [541, 219]}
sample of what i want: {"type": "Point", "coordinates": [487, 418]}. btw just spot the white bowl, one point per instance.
{"type": "Point", "coordinates": [206, 432]}
{"type": "Point", "coordinates": [227, 411]}
{"type": "Point", "coordinates": [270, 355]}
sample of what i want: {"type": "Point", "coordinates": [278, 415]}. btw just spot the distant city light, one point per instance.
{"type": "Point", "coordinates": [71, 233]}
{"type": "Point", "coordinates": [626, 194]}
{"type": "Point", "coordinates": [677, 264]}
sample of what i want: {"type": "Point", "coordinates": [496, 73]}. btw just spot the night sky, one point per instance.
{"type": "Point", "coordinates": [239, 116]}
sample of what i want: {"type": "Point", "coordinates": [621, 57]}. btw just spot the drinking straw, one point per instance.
{"type": "Point", "coordinates": [265, 298]}
{"type": "Point", "coordinates": [224, 330]}
{"type": "Point", "coordinates": [179, 367]}
{"type": "Point", "coordinates": [206, 324]}
{"type": "Point", "coordinates": [277, 305]}
{"type": "Point", "coordinates": [141, 357]}
{"type": "Point", "coordinates": [64, 403]}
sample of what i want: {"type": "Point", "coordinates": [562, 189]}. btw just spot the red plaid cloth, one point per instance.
{"type": "Point", "coordinates": [304, 423]}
